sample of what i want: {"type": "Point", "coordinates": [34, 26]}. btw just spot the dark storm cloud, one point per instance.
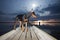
{"type": "Point", "coordinates": [10, 16]}
{"type": "Point", "coordinates": [12, 8]}
{"type": "Point", "coordinates": [54, 9]}
{"type": "Point", "coordinates": [1, 13]}
{"type": "Point", "coordinates": [7, 17]}
{"type": "Point", "coordinates": [50, 17]}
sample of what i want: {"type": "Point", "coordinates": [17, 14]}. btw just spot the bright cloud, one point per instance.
{"type": "Point", "coordinates": [46, 13]}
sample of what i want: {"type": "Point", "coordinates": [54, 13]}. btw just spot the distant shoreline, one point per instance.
{"type": "Point", "coordinates": [14, 22]}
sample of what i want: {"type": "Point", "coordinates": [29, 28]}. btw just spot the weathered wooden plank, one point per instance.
{"type": "Point", "coordinates": [17, 35]}
{"type": "Point", "coordinates": [42, 34]}
{"type": "Point", "coordinates": [7, 35]}
{"type": "Point", "coordinates": [4, 37]}
{"type": "Point", "coordinates": [22, 37]}
{"type": "Point", "coordinates": [37, 36]}
{"type": "Point", "coordinates": [28, 36]}
{"type": "Point", "coordinates": [39, 33]}
{"type": "Point", "coordinates": [13, 35]}
{"type": "Point", "coordinates": [33, 35]}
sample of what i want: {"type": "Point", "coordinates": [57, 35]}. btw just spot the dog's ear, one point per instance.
{"type": "Point", "coordinates": [33, 13]}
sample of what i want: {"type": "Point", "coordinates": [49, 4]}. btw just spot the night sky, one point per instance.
{"type": "Point", "coordinates": [45, 9]}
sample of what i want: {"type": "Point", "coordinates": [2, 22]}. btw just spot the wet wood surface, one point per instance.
{"type": "Point", "coordinates": [33, 33]}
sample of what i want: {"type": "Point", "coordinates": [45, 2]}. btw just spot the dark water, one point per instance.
{"type": "Point", "coordinates": [52, 30]}
{"type": "Point", "coordinates": [5, 27]}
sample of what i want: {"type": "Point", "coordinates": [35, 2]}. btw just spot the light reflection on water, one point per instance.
{"type": "Point", "coordinates": [50, 24]}
{"type": "Point", "coordinates": [46, 23]}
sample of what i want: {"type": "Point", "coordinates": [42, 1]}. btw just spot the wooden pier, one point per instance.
{"type": "Point", "coordinates": [33, 33]}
